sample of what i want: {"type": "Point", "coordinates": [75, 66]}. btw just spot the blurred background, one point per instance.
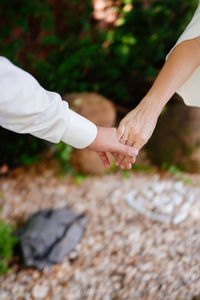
{"type": "Point", "coordinates": [142, 236]}
{"type": "Point", "coordinates": [111, 47]}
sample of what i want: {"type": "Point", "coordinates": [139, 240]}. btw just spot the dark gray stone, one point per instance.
{"type": "Point", "coordinates": [49, 235]}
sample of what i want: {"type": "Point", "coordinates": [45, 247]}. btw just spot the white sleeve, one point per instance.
{"type": "Point", "coordinates": [190, 90]}
{"type": "Point", "coordinates": [26, 107]}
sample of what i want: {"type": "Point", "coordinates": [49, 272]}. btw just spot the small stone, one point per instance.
{"type": "Point", "coordinates": [164, 199]}
{"type": "Point", "coordinates": [156, 200]}
{"type": "Point", "coordinates": [180, 217]}
{"type": "Point", "coordinates": [147, 277]}
{"type": "Point", "coordinates": [179, 186]}
{"type": "Point", "coordinates": [176, 198]}
{"type": "Point", "coordinates": [158, 187]}
{"type": "Point", "coordinates": [185, 207]}
{"type": "Point", "coordinates": [40, 291]}
{"type": "Point", "coordinates": [167, 209]}
{"type": "Point", "coordinates": [148, 193]}
{"type": "Point", "coordinates": [146, 267]}
{"type": "Point", "coordinates": [106, 297]}
{"type": "Point", "coordinates": [73, 255]}
{"type": "Point", "coordinates": [191, 197]}
{"type": "Point", "coordinates": [4, 295]}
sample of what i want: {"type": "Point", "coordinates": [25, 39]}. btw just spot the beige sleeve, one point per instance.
{"type": "Point", "coordinates": [190, 90]}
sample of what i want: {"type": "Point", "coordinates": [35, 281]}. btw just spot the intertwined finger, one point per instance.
{"type": "Point", "coordinates": [123, 140]}
{"type": "Point", "coordinates": [125, 162]}
{"type": "Point", "coordinates": [137, 145]}
{"type": "Point", "coordinates": [120, 130]}
{"type": "Point", "coordinates": [103, 156]}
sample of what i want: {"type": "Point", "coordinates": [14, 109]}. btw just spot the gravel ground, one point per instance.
{"type": "Point", "coordinates": [123, 254]}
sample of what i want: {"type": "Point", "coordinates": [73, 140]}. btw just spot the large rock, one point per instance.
{"type": "Point", "coordinates": [102, 112]}
{"type": "Point", "coordinates": [176, 139]}
{"type": "Point", "coordinates": [94, 107]}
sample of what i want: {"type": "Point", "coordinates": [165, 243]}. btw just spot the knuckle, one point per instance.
{"type": "Point", "coordinates": [130, 152]}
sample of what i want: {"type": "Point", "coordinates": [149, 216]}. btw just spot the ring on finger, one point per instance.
{"type": "Point", "coordinates": [124, 140]}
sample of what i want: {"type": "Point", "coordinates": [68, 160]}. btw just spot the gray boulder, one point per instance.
{"type": "Point", "coordinates": [49, 235]}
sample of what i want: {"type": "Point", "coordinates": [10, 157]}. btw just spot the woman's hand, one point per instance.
{"type": "Point", "coordinates": [136, 129]}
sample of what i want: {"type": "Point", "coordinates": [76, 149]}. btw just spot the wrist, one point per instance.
{"type": "Point", "coordinates": [94, 143]}
{"type": "Point", "coordinates": [153, 105]}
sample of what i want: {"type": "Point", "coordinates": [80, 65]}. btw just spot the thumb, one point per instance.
{"type": "Point", "coordinates": [120, 131]}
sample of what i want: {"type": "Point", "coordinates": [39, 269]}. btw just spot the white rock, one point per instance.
{"type": "Point", "coordinates": [167, 209]}
{"type": "Point", "coordinates": [176, 198]}
{"type": "Point", "coordinates": [164, 199]}
{"type": "Point", "coordinates": [157, 200]}
{"type": "Point", "coordinates": [179, 186]}
{"type": "Point", "coordinates": [191, 197]}
{"type": "Point", "coordinates": [195, 214]}
{"type": "Point", "coordinates": [168, 185]}
{"type": "Point", "coordinates": [148, 193]}
{"type": "Point", "coordinates": [4, 295]}
{"type": "Point", "coordinates": [146, 267]}
{"type": "Point", "coordinates": [106, 297]}
{"type": "Point", "coordinates": [140, 200]}
{"type": "Point", "coordinates": [147, 277]}
{"type": "Point", "coordinates": [185, 206]}
{"type": "Point", "coordinates": [40, 291]}
{"type": "Point", "coordinates": [158, 187]}
{"type": "Point", "coordinates": [73, 255]}
{"type": "Point", "coordinates": [180, 217]}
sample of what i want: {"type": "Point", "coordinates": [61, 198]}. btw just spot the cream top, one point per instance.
{"type": "Point", "coordinates": [190, 90]}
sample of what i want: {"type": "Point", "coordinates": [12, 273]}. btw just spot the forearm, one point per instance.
{"type": "Point", "coordinates": [26, 107]}
{"type": "Point", "coordinates": [181, 63]}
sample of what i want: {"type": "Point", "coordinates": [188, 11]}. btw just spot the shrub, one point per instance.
{"type": "Point", "coordinates": [7, 242]}
{"type": "Point", "coordinates": [58, 43]}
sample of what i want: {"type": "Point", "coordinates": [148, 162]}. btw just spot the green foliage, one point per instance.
{"type": "Point", "coordinates": [7, 242]}
{"type": "Point", "coordinates": [19, 149]}
{"type": "Point", "coordinates": [175, 171]}
{"type": "Point", "coordinates": [63, 154]}
{"type": "Point", "coordinates": [58, 43]}
{"type": "Point", "coordinates": [79, 179]}
{"type": "Point", "coordinates": [142, 168]}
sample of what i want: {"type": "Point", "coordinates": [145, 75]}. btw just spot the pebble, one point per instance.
{"type": "Point", "coordinates": [40, 291]}
{"type": "Point", "coordinates": [191, 197]}
{"type": "Point", "coordinates": [158, 187]}
{"type": "Point", "coordinates": [179, 187]}
{"type": "Point", "coordinates": [167, 209]}
{"type": "Point", "coordinates": [176, 198]}
{"type": "Point", "coordinates": [124, 253]}
{"type": "Point", "coordinates": [180, 217]}
{"type": "Point", "coordinates": [4, 295]}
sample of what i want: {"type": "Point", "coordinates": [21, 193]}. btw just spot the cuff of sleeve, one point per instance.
{"type": "Point", "coordinates": [80, 132]}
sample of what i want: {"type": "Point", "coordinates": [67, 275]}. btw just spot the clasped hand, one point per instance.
{"type": "Point", "coordinates": [124, 144]}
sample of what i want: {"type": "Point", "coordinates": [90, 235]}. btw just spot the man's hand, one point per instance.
{"type": "Point", "coordinates": [107, 141]}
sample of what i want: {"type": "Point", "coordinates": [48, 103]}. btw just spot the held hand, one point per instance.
{"type": "Point", "coordinates": [136, 129]}
{"type": "Point", "coordinates": [107, 141]}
